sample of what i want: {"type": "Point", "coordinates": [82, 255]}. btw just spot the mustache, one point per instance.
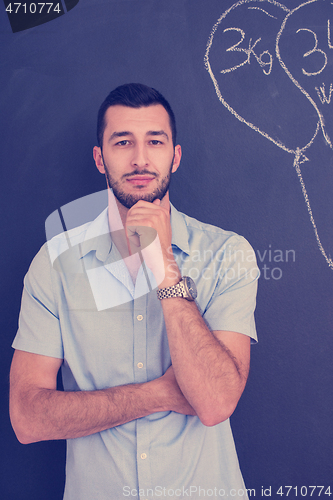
{"type": "Point", "coordinates": [139, 172]}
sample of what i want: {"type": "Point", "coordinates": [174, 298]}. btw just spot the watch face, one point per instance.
{"type": "Point", "coordinates": [190, 287]}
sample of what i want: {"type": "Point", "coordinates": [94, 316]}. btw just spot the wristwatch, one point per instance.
{"type": "Point", "coordinates": [185, 288]}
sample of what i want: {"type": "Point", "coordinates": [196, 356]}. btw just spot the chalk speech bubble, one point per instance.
{"type": "Point", "coordinates": [249, 62]}
{"type": "Point", "coordinates": [304, 47]}
{"type": "Point", "coordinates": [247, 75]}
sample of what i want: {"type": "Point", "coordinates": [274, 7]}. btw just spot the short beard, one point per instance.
{"type": "Point", "coordinates": [128, 200]}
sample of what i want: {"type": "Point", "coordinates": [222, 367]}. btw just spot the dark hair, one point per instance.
{"type": "Point", "coordinates": [133, 95]}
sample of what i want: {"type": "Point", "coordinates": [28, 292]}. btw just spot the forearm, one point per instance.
{"type": "Point", "coordinates": [207, 372]}
{"type": "Point", "coordinates": [45, 414]}
{"type": "Point", "coordinates": [210, 374]}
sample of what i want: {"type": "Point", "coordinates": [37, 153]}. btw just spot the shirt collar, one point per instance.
{"type": "Point", "coordinates": [98, 235]}
{"type": "Point", "coordinates": [179, 230]}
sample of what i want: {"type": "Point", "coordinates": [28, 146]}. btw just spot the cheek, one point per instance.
{"type": "Point", "coordinates": [161, 162]}
{"type": "Point", "coordinates": [116, 162]}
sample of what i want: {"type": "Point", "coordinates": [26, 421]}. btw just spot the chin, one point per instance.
{"type": "Point", "coordinates": [130, 199]}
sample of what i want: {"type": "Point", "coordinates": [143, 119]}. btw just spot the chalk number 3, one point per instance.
{"type": "Point", "coordinates": [316, 50]}
{"type": "Point", "coordinates": [266, 66]}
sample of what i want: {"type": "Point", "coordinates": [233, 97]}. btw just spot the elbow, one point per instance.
{"type": "Point", "coordinates": [22, 433]}
{"type": "Point", "coordinates": [22, 430]}
{"type": "Point", "coordinates": [216, 414]}
{"type": "Point", "coordinates": [23, 436]}
{"type": "Point", "coordinates": [211, 419]}
{"type": "Point", "coordinates": [218, 409]}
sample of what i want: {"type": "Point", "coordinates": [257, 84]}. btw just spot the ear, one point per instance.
{"type": "Point", "coordinates": [177, 157]}
{"type": "Point", "coordinates": [97, 153]}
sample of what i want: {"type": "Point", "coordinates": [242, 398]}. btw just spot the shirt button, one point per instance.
{"type": "Point", "coordinates": [139, 317]}
{"type": "Point", "coordinates": [140, 365]}
{"type": "Point", "coordinates": [143, 456]}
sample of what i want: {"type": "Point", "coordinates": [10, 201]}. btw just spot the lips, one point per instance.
{"type": "Point", "coordinates": [140, 180]}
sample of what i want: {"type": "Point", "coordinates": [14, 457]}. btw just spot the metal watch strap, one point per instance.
{"type": "Point", "coordinates": [177, 290]}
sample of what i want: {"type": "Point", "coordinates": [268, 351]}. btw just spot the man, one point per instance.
{"type": "Point", "coordinates": [150, 375]}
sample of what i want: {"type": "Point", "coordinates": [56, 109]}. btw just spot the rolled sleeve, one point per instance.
{"type": "Point", "coordinates": [39, 328]}
{"type": "Point", "coordinates": [232, 305]}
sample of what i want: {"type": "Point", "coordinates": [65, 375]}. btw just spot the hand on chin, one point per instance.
{"type": "Point", "coordinates": [149, 232]}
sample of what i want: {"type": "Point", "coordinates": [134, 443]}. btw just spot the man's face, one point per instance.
{"type": "Point", "coordinates": [138, 156]}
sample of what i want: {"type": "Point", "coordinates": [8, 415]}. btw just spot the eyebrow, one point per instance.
{"type": "Point", "coordinates": [120, 134]}
{"type": "Point", "coordinates": [126, 133]}
{"type": "Point", "coordinates": [157, 132]}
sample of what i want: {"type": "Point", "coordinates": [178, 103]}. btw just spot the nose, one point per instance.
{"type": "Point", "coordinates": [140, 157]}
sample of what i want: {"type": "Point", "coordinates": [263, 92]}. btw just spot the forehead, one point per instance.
{"type": "Point", "coordinates": [120, 118]}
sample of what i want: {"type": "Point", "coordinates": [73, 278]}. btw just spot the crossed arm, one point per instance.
{"type": "Point", "coordinates": [40, 412]}
{"type": "Point", "coordinates": [211, 368]}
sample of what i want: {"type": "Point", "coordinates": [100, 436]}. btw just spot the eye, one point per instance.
{"type": "Point", "coordinates": [125, 142]}
{"type": "Point", "coordinates": [155, 142]}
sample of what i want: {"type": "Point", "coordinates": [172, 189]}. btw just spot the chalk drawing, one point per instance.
{"type": "Point", "coordinates": [322, 94]}
{"type": "Point", "coordinates": [313, 51]}
{"type": "Point", "coordinates": [293, 79]}
{"type": "Point", "coordinates": [315, 54]}
{"type": "Point", "coordinates": [330, 46]}
{"type": "Point", "coordinates": [262, 10]}
{"type": "Point", "coordinates": [248, 53]}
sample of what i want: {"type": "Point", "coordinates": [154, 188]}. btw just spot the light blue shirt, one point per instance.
{"type": "Point", "coordinates": [80, 304]}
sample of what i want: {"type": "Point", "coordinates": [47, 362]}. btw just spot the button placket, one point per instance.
{"type": "Point", "coordinates": [140, 339]}
{"type": "Point", "coordinates": [143, 453]}
{"type": "Point", "coordinates": [140, 375]}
